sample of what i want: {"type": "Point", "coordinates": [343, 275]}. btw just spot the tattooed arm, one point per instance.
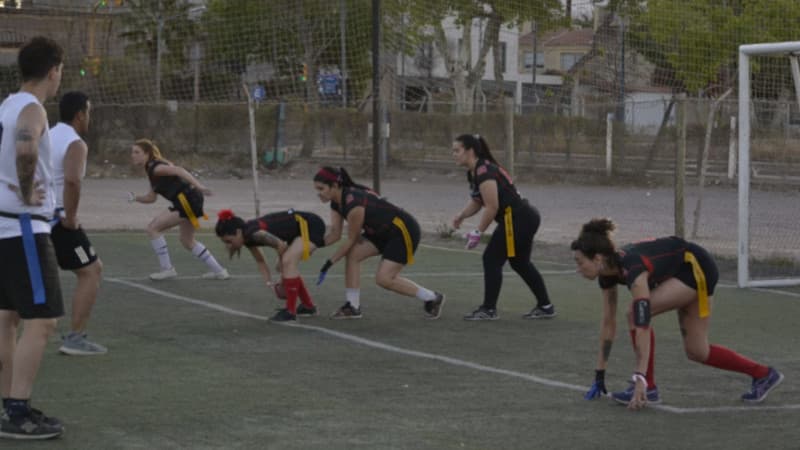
{"type": "Point", "coordinates": [31, 123]}
{"type": "Point", "coordinates": [608, 329]}
{"type": "Point", "coordinates": [262, 237]}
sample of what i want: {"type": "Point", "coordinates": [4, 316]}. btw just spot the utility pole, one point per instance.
{"type": "Point", "coordinates": [159, 30]}
{"type": "Point", "coordinates": [534, 32]}
{"type": "Point", "coordinates": [342, 26]}
{"type": "Point", "coordinates": [376, 96]}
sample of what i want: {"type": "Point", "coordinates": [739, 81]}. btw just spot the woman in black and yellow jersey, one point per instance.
{"type": "Point", "coordinates": [294, 235]}
{"type": "Point", "coordinates": [665, 274]}
{"type": "Point", "coordinates": [375, 227]}
{"type": "Point", "coordinates": [492, 190]}
{"type": "Point", "coordinates": [177, 185]}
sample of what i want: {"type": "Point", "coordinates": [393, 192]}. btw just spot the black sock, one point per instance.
{"type": "Point", "coordinates": [17, 407]}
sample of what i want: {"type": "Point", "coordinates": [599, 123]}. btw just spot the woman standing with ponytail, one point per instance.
{"type": "Point", "coordinates": [294, 235]}
{"type": "Point", "coordinates": [375, 227]}
{"type": "Point", "coordinates": [662, 275]}
{"type": "Point", "coordinates": [492, 190]}
{"type": "Point", "coordinates": [178, 186]}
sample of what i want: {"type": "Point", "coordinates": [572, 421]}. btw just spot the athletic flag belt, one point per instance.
{"type": "Point", "coordinates": [702, 286]}
{"type": "Point", "coordinates": [188, 210]}
{"type": "Point", "coordinates": [398, 222]}
{"type": "Point", "coordinates": [508, 219]}
{"type": "Point", "coordinates": [304, 235]}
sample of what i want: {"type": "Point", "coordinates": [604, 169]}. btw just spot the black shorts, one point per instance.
{"type": "Point", "coordinates": [707, 264]}
{"type": "Point", "coordinates": [316, 229]}
{"type": "Point", "coordinates": [392, 245]}
{"type": "Point", "coordinates": [16, 293]}
{"type": "Point", "coordinates": [195, 200]}
{"type": "Point", "coordinates": [73, 249]}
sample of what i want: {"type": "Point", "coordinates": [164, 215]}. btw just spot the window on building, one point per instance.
{"type": "Point", "coordinates": [528, 60]}
{"type": "Point", "coordinates": [11, 4]}
{"type": "Point", "coordinates": [569, 59]}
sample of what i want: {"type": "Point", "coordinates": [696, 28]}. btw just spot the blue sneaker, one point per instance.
{"type": "Point", "coordinates": [625, 396]}
{"type": "Point", "coordinates": [761, 387]}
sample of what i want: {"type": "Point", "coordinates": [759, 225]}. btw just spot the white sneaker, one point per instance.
{"type": "Point", "coordinates": [164, 274]}
{"type": "Point", "coordinates": [223, 275]}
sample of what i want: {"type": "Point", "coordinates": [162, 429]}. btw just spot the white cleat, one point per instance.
{"type": "Point", "coordinates": [164, 274]}
{"type": "Point", "coordinates": [223, 275]}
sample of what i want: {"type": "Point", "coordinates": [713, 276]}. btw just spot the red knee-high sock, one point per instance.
{"type": "Point", "coordinates": [305, 297]}
{"type": "Point", "coordinates": [651, 364]}
{"type": "Point", "coordinates": [724, 358]}
{"type": "Point", "coordinates": [290, 285]}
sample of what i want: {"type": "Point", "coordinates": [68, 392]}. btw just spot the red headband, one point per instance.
{"type": "Point", "coordinates": [328, 175]}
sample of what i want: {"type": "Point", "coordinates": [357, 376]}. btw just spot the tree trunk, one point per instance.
{"type": "Point", "coordinates": [704, 160]}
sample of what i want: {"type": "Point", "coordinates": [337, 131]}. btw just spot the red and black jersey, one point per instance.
{"type": "Point", "coordinates": [285, 226]}
{"type": "Point", "coordinates": [662, 258]}
{"type": "Point", "coordinates": [507, 194]}
{"type": "Point", "coordinates": [378, 213]}
{"type": "Point", "coordinates": [167, 186]}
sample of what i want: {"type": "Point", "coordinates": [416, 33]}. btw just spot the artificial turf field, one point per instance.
{"type": "Point", "coordinates": [194, 364]}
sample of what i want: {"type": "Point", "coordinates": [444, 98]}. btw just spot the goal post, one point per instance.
{"type": "Point", "coordinates": [787, 253]}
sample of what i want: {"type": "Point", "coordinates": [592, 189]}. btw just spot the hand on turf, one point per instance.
{"type": "Point", "coordinates": [598, 387]}
{"type": "Point", "coordinates": [639, 399]}
{"type": "Point", "coordinates": [597, 390]}
{"type": "Point", "coordinates": [473, 239]}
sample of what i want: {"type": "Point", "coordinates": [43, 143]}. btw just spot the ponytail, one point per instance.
{"type": "Point", "coordinates": [329, 176]}
{"type": "Point", "coordinates": [595, 238]}
{"type": "Point", "coordinates": [478, 145]}
{"type": "Point", "coordinates": [151, 149]}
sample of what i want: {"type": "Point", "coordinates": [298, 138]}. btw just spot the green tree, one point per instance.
{"type": "Point", "coordinates": [177, 31]}
{"type": "Point", "coordinates": [464, 72]}
{"type": "Point", "coordinates": [699, 39]}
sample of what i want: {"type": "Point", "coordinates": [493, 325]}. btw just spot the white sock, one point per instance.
{"type": "Point", "coordinates": [159, 245]}
{"type": "Point", "coordinates": [353, 296]}
{"type": "Point", "coordinates": [200, 251]}
{"type": "Point", "coordinates": [426, 295]}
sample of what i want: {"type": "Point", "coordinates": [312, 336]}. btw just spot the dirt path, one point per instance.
{"type": "Point", "coordinates": [639, 212]}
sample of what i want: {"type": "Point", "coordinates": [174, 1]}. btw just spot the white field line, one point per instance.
{"type": "Point", "coordinates": [409, 275]}
{"type": "Point", "coordinates": [440, 358]}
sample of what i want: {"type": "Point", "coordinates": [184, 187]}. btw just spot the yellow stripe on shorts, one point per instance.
{"type": "Point", "coordinates": [188, 210]}
{"type": "Point", "coordinates": [509, 222]}
{"type": "Point", "coordinates": [702, 286]}
{"type": "Point", "coordinates": [398, 222]}
{"type": "Point", "coordinates": [304, 235]}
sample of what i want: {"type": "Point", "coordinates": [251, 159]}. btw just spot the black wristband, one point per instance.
{"type": "Point", "coordinates": [599, 375]}
{"type": "Point", "coordinates": [326, 266]}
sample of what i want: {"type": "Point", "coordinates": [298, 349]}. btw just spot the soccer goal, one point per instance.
{"type": "Point", "coordinates": [769, 143]}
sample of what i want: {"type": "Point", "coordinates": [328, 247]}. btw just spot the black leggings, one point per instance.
{"type": "Point", "coordinates": [525, 219]}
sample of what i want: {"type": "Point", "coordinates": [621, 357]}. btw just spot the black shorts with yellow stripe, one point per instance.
{"type": "Point", "coordinates": [392, 244]}
{"type": "Point", "coordinates": [707, 265]}
{"type": "Point", "coordinates": [195, 200]}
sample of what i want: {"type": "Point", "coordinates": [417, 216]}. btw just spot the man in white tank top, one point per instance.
{"type": "Point", "coordinates": [74, 252]}
{"type": "Point", "coordinates": [29, 287]}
